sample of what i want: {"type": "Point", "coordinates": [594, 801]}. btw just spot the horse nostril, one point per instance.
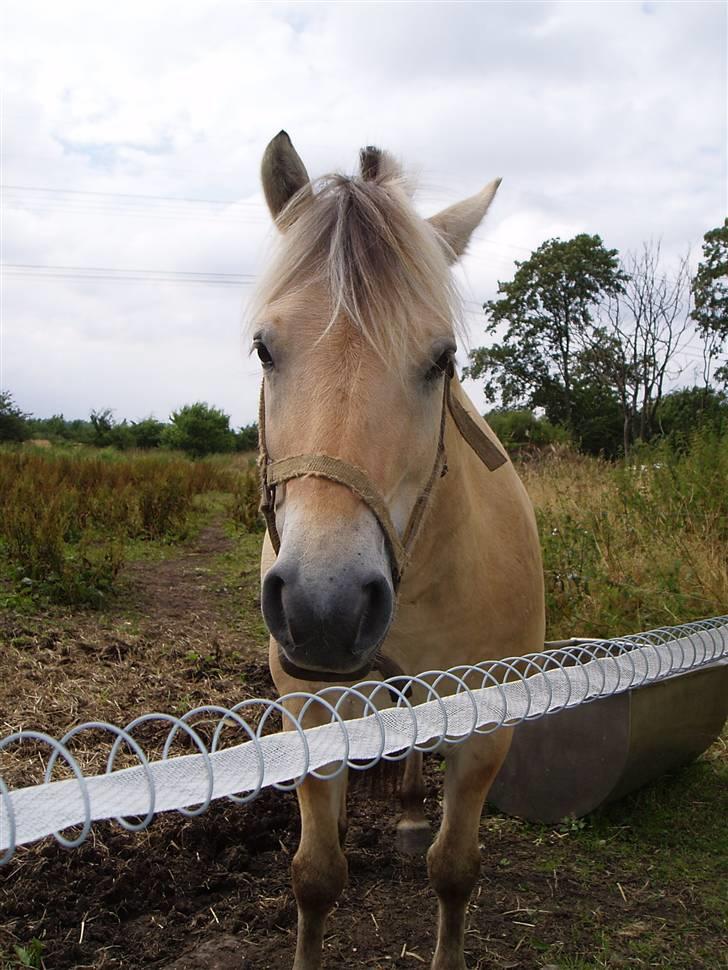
{"type": "Point", "coordinates": [378, 596]}
{"type": "Point", "coordinates": [376, 615]}
{"type": "Point", "coordinates": [271, 602]}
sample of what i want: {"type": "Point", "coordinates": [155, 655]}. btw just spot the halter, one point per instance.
{"type": "Point", "coordinates": [280, 471]}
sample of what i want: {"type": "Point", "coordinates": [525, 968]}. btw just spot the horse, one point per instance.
{"type": "Point", "coordinates": [400, 538]}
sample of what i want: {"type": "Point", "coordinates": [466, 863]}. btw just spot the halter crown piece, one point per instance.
{"type": "Point", "coordinates": [274, 473]}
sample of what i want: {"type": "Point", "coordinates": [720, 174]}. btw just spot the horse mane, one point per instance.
{"type": "Point", "coordinates": [383, 268]}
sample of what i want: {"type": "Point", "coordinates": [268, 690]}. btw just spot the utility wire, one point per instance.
{"type": "Point", "coordinates": [170, 208]}
{"type": "Point", "coordinates": [114, 269]}
{"type": "Point", "coordinates": [127, 198]}
{"type": "Point", "coordinates": [166, 207]}
{"type": "Point", "coordinates": [131, 195]}
{"type": "Point", "coordinates": [113, 274]}
{"type": "Point", "coordinates": [207, 277]}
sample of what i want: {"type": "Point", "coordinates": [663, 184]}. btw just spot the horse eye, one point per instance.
{"type": "Point", "coordinates": [443, 365]}
{"type": "Point", "coordinates": [263, 353]}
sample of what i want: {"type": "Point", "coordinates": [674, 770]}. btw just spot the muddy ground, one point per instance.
{"type": "Point", "coordinates": [214, 892]}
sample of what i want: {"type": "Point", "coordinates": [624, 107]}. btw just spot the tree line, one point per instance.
{"type": "Point", "coordinates": [585, 344]}
{"type": "Point", "coordinates": [198, 429]}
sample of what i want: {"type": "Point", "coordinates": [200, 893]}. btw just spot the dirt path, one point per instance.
{"type": "Point", "coordinates": [179, 634]}
{"type": "Point", "coordinates": [184, 600]}
{"type": "Point", "coordinates": [182, 592]}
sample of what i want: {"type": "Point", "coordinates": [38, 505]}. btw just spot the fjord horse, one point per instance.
{"type": "Point", "coordinates": [399, 535]}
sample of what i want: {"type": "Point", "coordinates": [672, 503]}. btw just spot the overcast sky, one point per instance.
{"type": "Point", "coordinates": [601, 117]}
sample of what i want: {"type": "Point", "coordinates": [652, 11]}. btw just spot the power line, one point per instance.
{"type": "Point", "coordinates": [166, 206]}
{"type": "Point", "coordinates": [163, 215]}
{"type": "Point", "coordinates": [202, 277]}
{"type": "Point", "coordinates": [171, 208]}
{"type": "Point", "coordinates": [29, 269]}
{"type": "Point", "coordinates": [126, 279]}
{"type": "Point", "coordinates": [115, 269]}
{"type": "Point", "coordinates": [114, 274]}
{"type": "Point", "coordinates": [149, 214]}
{"type": "Point", "coordinates": [130, 195]}
{"type": "Point", "coordinates": [158, 207]}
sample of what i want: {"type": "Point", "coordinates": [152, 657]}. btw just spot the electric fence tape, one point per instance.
{"type": "Point", "coordinates": [458, 703]}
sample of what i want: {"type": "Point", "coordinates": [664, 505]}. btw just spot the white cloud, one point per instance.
{"type": "Point", "coordinates": [601, 117]}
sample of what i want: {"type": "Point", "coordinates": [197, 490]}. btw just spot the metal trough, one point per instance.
{"type": "Point", "coordinates": [569, 763]}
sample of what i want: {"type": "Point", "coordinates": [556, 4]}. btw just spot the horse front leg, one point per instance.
{"type": "Point", "coordinates": [319, 867]}
{"type": "Point", "coordinates": [454, 859]}
{"type": "Point", "coordinates": [413, 830]}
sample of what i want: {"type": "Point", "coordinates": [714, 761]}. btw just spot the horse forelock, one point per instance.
{"type": "Point", "coordinates": [382, 268]}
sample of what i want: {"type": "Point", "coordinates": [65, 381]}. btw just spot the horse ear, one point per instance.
{"type": "Point", "coordinates": [456, 224]}
{"type": "Point", "coordinates": [375, 164]}
{"type": "Point", "coordinates": [283, 175]}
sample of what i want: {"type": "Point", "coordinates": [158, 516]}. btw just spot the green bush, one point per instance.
{"type": "Point", "coordinates": [58, 430]}
{"type": "Point", "coordinates": [199, 429]}
{"type": "Point", "coordinates": [684, 489]}
{"type": "Point", "coordinates": [13, 423]}
{"type": "Point", "coordinates": [246, 439]}
{"type": "Point", "coordinates": [519, 428]}
{"type": "Point", "coordinates": [147, 433]}
{"type": "Point", "coordinates": [683, 412]}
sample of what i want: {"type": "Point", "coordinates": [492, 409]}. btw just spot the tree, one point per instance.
{"type": "Point", "coordinates": [247, 438]}
{"type": "Point", "coordinates": [690, 409]}
{"type": "Point", "coordinates": [121, 436]}
{"type": "Point", "coordinates": [710, 296]}
{"type": "Point", "coordinates": [546, 309]}
{"type": "Point", "coordinates": [640, 332]}
{"type": "Point", "coordinates": [147, 433]}
{"type": "Point", "coordinates": [596, 421]}
{"type": "Point", "coordinates": [199, 429]}
{"type": "Point", "coordinates": [55, 427]}
{"type": "Point", "coordinates": [13, 422]}
{"type": "Point", "coordinates": [103, 423]}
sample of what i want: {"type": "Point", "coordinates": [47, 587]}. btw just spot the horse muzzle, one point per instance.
{"type": "Point", "coordinates": [331, 626]}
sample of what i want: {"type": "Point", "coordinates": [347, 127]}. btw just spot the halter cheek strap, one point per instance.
{"type": "Point", "coordinates": [274, 473]}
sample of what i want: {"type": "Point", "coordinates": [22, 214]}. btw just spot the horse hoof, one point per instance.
{"type": "Point", "coordinates": [413, 838]}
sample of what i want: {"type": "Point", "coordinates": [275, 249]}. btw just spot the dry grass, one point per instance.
{"type": "Point", "coordinates": [65, 518]}
{"type": "Point", "coordinates": [628, 547]}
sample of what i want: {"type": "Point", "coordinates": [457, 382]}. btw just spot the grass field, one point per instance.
{"type": "Point", "coordinates": [640, 883]}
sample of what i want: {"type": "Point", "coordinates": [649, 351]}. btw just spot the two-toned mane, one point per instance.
{"type": "Point", "coordinates": [360, 240]}
{"type": "Point", "coordinates": [399, 535]}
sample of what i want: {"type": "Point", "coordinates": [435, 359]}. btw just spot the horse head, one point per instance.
{"type": "Point", "coordinates": [355, 325]}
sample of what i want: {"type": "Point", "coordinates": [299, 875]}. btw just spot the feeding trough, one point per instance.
{"type": "Point", "coordinates": [575, 760]}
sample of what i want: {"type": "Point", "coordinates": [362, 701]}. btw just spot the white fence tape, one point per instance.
{"type": "Point", "coordinates": [460, 702]}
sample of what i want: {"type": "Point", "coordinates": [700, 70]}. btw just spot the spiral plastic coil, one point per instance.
{"type": "Point", "coordinates": [458, 703]}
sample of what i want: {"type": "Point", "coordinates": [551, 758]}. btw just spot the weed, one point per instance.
{"type": "Point", "coordinates": [572, 826]}
{"type": "Point", "coordinates": [30, 955]}
{"type": "Point", "coordinates": [246, 500]}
